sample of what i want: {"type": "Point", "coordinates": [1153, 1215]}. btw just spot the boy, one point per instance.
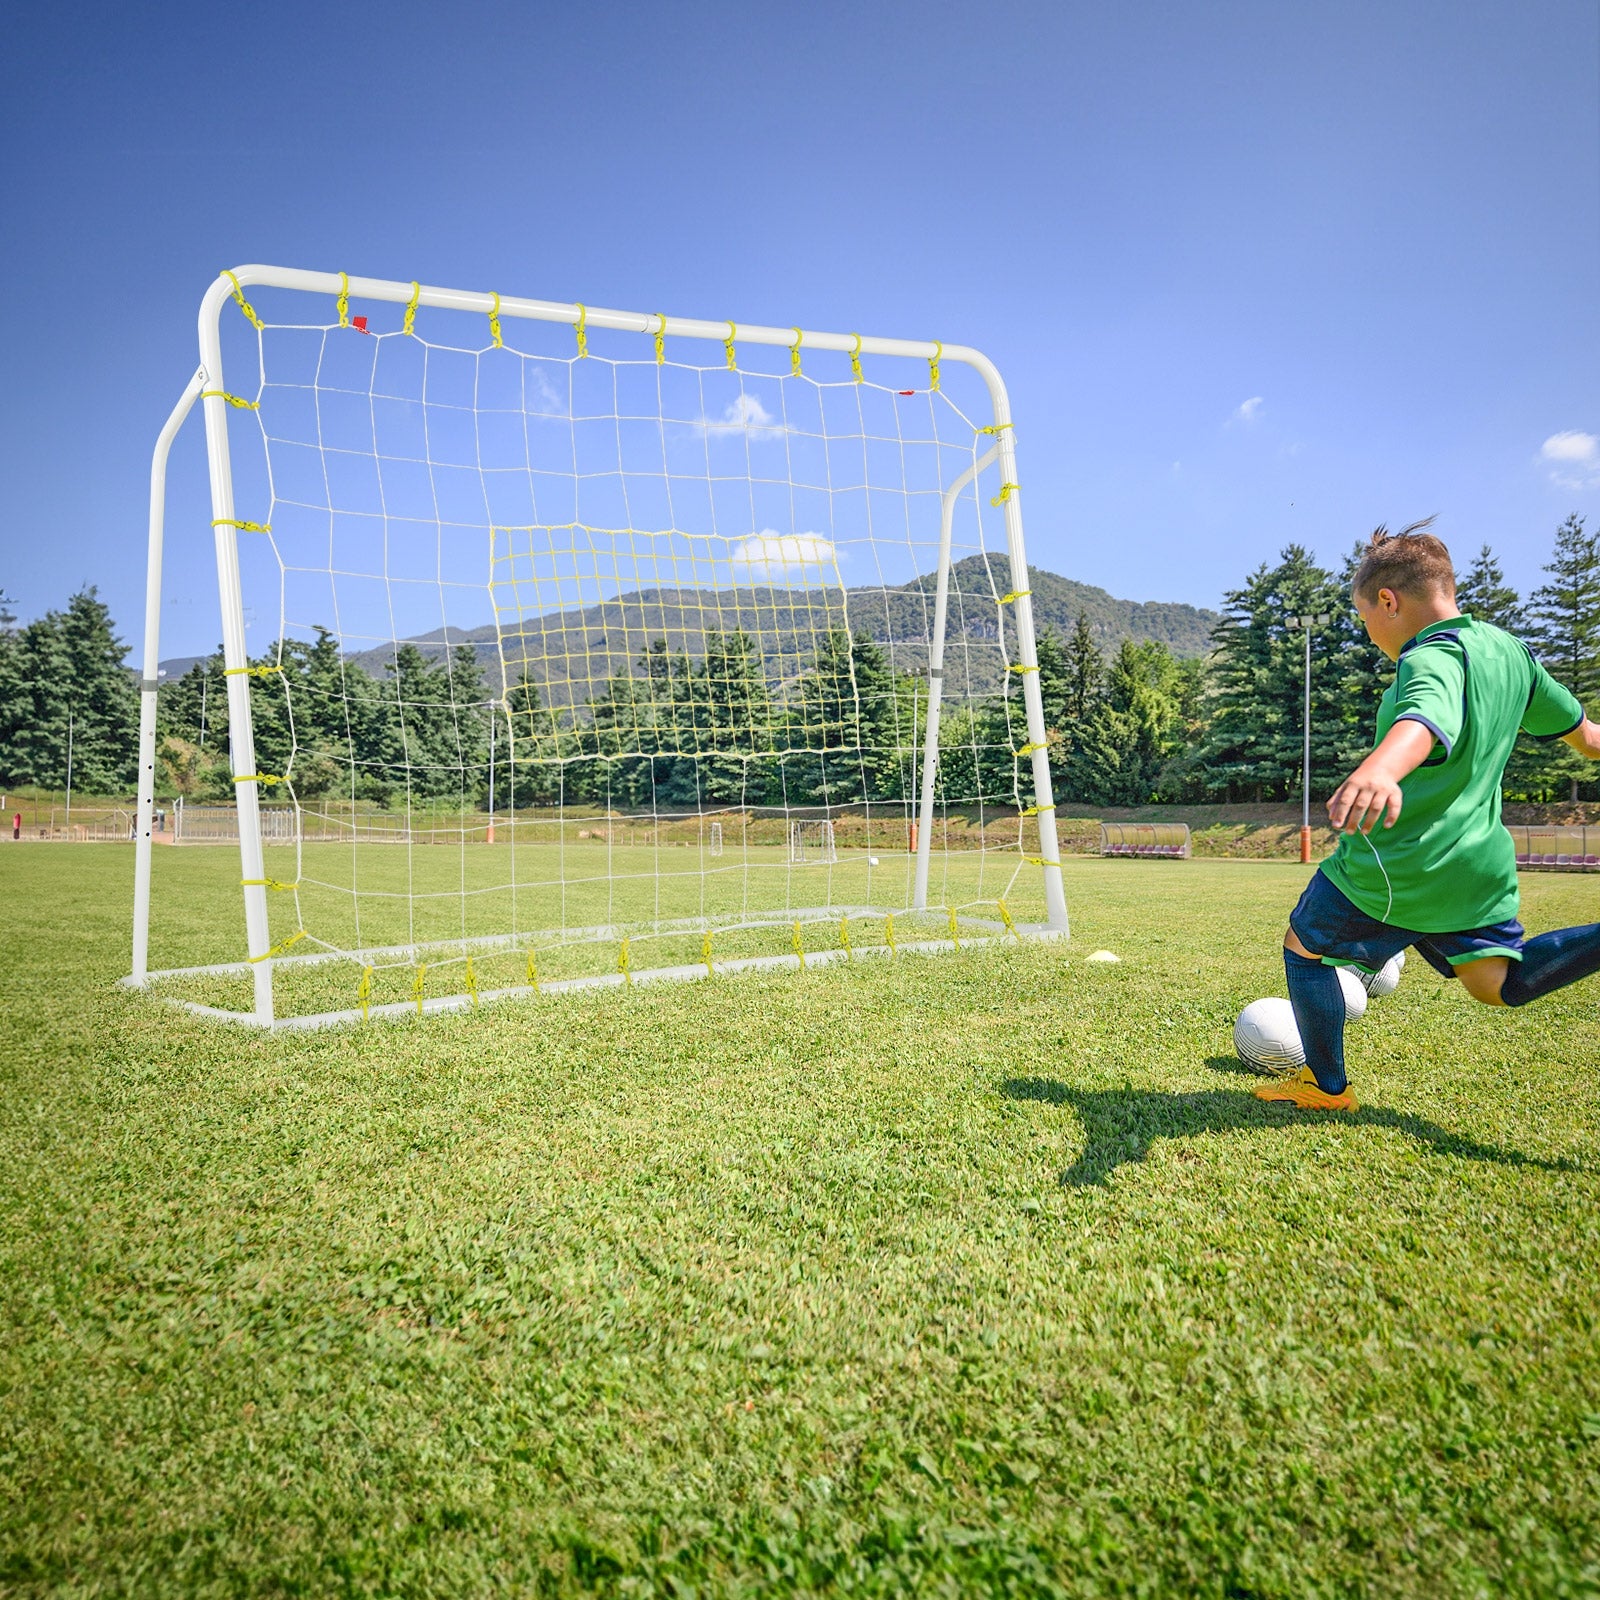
{"type": "Point", "coordinates": [1441, 872]}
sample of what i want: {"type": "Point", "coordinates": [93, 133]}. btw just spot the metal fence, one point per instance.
{"type": "Point", "coordinates": [220, 824]}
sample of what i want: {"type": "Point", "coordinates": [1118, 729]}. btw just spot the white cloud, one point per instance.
{"type": "Point", "coordinates": [1574, 459]}
{"type": "Point", "coordinates": [745, 414]}
{"type": "Point", "coordinates": [771, 557]}
{"type": "Point", "coordinates": [544, 400]}
{"type": "Point", "coordinates": [1248, 409]}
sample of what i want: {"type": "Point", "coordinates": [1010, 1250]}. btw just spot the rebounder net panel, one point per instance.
{"type": "Point", "coordinates": [582, 654]}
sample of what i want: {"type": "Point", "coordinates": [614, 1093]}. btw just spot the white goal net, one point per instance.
{"type": "Point", "coordinates": [552, 630]}
{"type": "Point", "coordinates": [812, 843]}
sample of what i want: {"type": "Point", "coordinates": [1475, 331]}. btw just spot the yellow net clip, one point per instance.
{"type": "Point", "coordinates": [933, 366]}
{"type": "Point", "coordinates": [855, 358]}
{"type": "Point", "coordinates": [472, 981]}
{"type": "Point", "coordinates": [1030, 747]}
{"type": "Point", "coordinates": [705, 953]}
{"type": "Point", "coordinates": [410, 324]}
{"type": "Point", "coordinates": [533, 973]}
{"type": "Point", "coordinates": [661, 338]}
{"type": "Point", "coordinates": [244, 305]}
{"type": "Point", "coordinates": [844, 938]}
{"type": "Point", "coordinates": [995, 427]}
{"type": "Point", "coordinates": [1005, 917]}
{"type": "Point", "coordinates": [955, 931]}
{"type": "Point", "coordinates": [232, 399]}
{"type": "Point", "coordinates": [794, 353]}
{"type": "Point", "coordinates": [1034, 811]}
{"type": "Point", "coordinates": [1016, 666]}
{"type": "Point", "coordinates": [625, 963]}
{"type": "Point", "coordinates": [1005, 493]}
{"type": "Point", "coordinates": [582, 329]}
{"type": "Point", "coordinates": [258, 777]}
{"type": "Point", "coordinates": [344, 300]}
{"type": "Point", "coordinates": [250, 672]}
{"type": "Point", "coordinates": [279, 948]}
{"type": "Point", "coordinates": [1014, 596]}
{"type": "Point", "coordinates": [243, 527]}
{"type": "Point", "coordinates": [888, 932]}
{"type": "Point", "coordinates": [364, 992]}
{"type": "Point", "coordinates": [727, 346]}
{"type": "Point", "coordinates": [799, 948]}
{"type": "Point", "coordinates": [416, 985]}
{"type": "Point", "coordinates": [494, 322]}
{"type": "Point", "coordinates": [269, 883]}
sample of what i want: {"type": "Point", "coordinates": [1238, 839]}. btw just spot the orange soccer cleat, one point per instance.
{"type": "Point", "coordinates": [1303, 1090]}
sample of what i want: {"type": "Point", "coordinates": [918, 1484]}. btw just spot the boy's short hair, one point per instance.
{"type": "Point", "coordinates": [1411, 562]}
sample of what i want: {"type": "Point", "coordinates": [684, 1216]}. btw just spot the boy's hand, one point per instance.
{"type": "Point", "coordinates": [1364, 800]}
{"type": "Point", "coordinates": [1371, 794]}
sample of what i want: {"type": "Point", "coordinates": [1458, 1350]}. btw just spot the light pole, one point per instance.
{"type": "Point", "coordinates": [69, 770]}
{"type": "Point", "coordinates": [1306, 624]}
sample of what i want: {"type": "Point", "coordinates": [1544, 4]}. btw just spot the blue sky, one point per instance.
{"type": "Point", "coordinates": [1253, 272]}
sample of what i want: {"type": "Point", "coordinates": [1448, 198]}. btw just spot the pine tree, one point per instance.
{"type": "Point", "coordinates": [738, 722]}
{"type": "Point", "coordinates": [102, 697]}
{"type": "Point", "coordinates": [69, 701]}
{"type": "Point", "coordinates": [13, 690]}
{"type": "Point", "coordinates": [1367, 672]}
{"type": "Point", "coordinates": [1254, 744]}
{"type": "Point", "coordinates": [1485, 595]}
{"type": "Point", "coordinates": [1564, 630]}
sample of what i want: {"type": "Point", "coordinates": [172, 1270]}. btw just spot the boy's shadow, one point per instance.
{"type": "Point", "coordinates": [1121, 1124]}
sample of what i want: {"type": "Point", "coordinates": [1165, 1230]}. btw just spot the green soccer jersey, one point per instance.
{"type": "Point", "coordinates": [1448, 864]}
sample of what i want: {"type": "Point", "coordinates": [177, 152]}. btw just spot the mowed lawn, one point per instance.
{"type": "Point", "coordinates": [973, 1274]}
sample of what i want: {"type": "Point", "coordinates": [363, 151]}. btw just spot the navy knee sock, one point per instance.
{"type": "Point", "coordinates": [1551, 962]}
{"type": "Point", "coordinates": [1318, 1001]}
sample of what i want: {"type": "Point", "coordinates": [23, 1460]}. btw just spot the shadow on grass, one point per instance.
{"type": "Point", "coordinates": [1120, 1125]}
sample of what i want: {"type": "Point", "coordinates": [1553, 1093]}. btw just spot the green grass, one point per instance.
{"type": "Point", "coordinates": [433, 898]}
{"type": "Point", "coordinates": [976, 1274]}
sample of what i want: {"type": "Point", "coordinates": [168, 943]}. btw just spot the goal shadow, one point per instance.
{"type": "Point", "coordinates": [1120, 1125]}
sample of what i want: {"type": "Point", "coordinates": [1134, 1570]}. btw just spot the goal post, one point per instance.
{"type": "Point", "coordinates": [812, 553]}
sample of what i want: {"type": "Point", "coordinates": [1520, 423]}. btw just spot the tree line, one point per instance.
{"type": "Point", "coordinates": [1128, 727]}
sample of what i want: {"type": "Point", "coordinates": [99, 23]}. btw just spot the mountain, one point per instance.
{"type": "Point", "coordinates": [569, 653]}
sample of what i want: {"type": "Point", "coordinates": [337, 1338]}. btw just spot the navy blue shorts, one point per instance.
{"type": "Point", "coordinates": [1329, 924]}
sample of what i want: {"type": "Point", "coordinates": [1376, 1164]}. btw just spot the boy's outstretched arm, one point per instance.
{"type": "Point", "coordinates": [1371, 794]}
{"type": "Point", "coordinates": [1585, 739]}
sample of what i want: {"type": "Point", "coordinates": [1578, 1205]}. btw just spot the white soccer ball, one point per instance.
{"type": "Point", "coordinates": [1386, 979]}
{"type": "Point", "coordinates": [1355, 994]}
{"type": "Point", "coordinates": [872, 861]}
{"type": "Point", "coordinates": [1267, 1036]}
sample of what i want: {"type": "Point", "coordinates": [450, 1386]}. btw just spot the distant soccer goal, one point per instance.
{"type": "Point", "coordinates": [1145, 839]}
{"type": "Point", "coordinates": [812, 844]}
{"type": "Point", "coordinates": [516, 597]}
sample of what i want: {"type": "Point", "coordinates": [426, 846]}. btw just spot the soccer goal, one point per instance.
{"type": "Point", "coordinates": [516, 596]}
{"type": "Point", "coordinates": [812, 844]}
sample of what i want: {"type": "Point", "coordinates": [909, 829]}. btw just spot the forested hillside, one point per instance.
{"type": "Point", "coordinates": [795, 696]}
{"type": "Point", "coordinates": [566, 653]}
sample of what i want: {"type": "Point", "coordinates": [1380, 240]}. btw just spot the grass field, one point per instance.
{"type": "Point", "coordinates": [975, 1274]}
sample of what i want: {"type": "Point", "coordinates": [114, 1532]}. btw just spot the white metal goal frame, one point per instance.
{"type": "Point", "coordinates": [208, 386]}
{"type": "Point", "coordinates": [813, 843]}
